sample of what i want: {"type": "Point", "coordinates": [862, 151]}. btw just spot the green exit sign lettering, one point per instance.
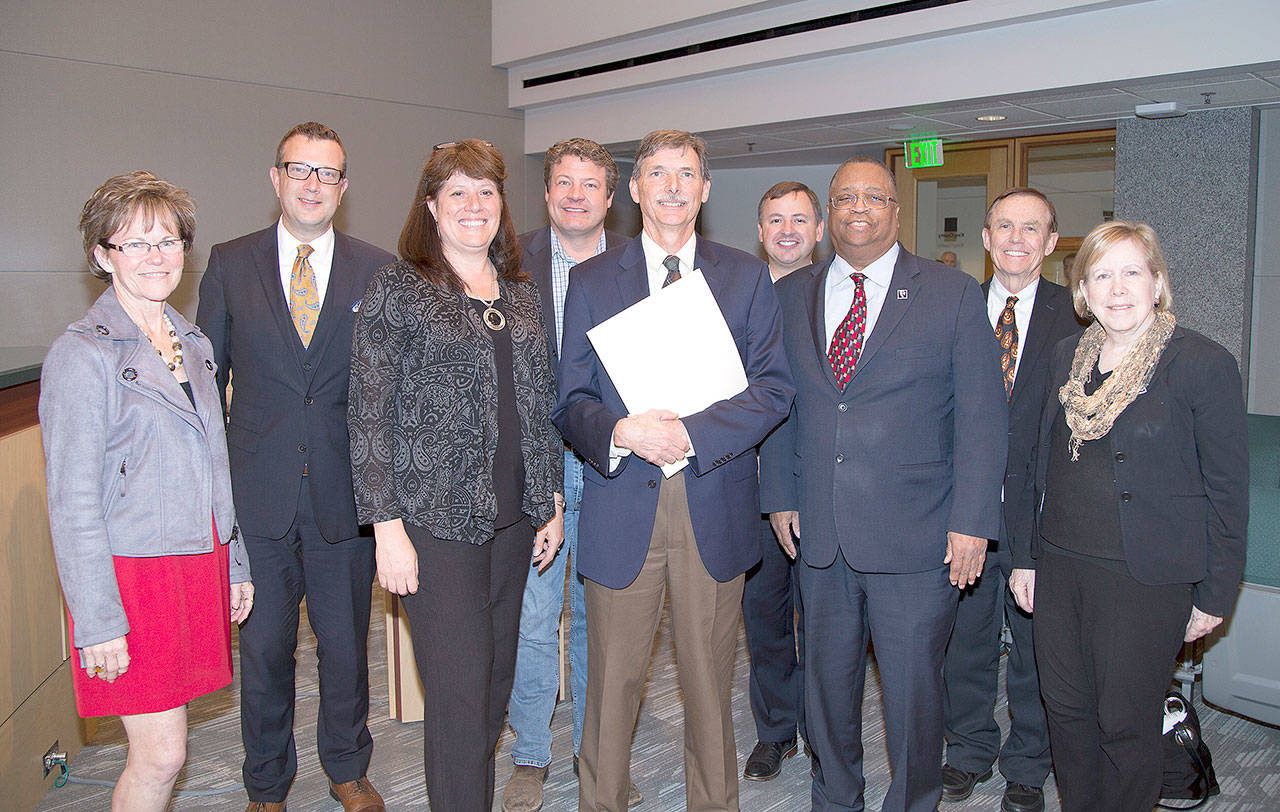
{"type": "Point", "coordinates": [920, 154]}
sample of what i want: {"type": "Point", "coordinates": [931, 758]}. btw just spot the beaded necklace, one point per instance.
{"type": "Point", "coordinates": [176, 345]}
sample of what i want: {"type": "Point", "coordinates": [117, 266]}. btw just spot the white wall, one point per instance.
{"type": "Point", "coordinates": [200, 93]}
{"type": "Point", "coordinates": [1264, 349]}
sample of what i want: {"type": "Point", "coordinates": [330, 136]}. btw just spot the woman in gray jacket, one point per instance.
{"type": "Point", "coordinates": [140, 510]}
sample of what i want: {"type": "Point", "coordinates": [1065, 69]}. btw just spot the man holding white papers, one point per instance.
{"type": "Point", "coordinates": [642, 534]}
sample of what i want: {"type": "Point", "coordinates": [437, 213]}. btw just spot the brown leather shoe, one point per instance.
{"type": "Point", "coordinates": [357, 796]}
{"type": "Point", "coordinates": [265, 806]}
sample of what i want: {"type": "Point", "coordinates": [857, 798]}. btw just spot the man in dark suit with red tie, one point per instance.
{"type": "Point", "coordinates": [279, 307]}
{"type": "Point", "coordinates": [887, 478]}
{"type": "Point", "coordinates": [643, 536]}
{"type": "Point", "coordinates": [1029, 316]}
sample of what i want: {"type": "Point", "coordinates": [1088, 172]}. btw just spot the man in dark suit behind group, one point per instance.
{"type": "Point", "coordinates": [642, 535]}
{"type": "Point", "coordinates": [789, 221]}
{"type": "Point", "coordinates": [1029, 315]}
{"type": "Point", "coordinates": [279, 307]}
{"type": "Point", "coordinates": [887, 477]}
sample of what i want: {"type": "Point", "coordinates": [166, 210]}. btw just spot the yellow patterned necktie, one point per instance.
{"type": "Point", "coordinates": [304, 299]}
{"type": "Point", "coordinates": [1007, 335]}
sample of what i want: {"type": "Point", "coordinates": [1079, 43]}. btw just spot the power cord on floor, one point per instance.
{"type": "Point", "coordinates": [68, 778]}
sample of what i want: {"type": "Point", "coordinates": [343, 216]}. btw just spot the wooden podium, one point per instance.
{"type": "Point", "coordinates": [404, 686]}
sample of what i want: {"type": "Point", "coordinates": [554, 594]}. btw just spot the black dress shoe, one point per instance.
{"type": "Point", "coordinates": [765, 761]}
{"type": "Point", "coordinates": [957, 785]}
{"type": "Point", "coordinates": [1022, 798]}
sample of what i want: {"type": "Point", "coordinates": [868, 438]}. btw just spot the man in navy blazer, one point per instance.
{"type": "Point", "coordinates": [279, 307]}
{"type": "Point", "coordinates": [580, 177]}
{"type": "Point", "coordinates": [642, 535]}
{"type": "Point", "coordinates": [887, 477]}
{"type": "Point", "coordinates": [1020, 232]}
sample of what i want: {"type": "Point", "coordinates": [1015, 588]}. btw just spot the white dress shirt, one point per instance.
{"type": "Point", "coordinates": [841, 287]}
{"type": "Point", "coordinates": [996, 298]}
{"type": "Point", "coordinates": [321, 258]}
{"type": "Point", "coordinates": [654, 254]}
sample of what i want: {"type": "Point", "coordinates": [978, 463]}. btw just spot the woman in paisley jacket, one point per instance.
{"type": "Point", "coordinates": [455, 461]}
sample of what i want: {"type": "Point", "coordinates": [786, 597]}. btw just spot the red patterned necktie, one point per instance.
{"type": "Point", "coordinates": [846, 344]}
{"type": "Point", "coordinates": [1007, 335]}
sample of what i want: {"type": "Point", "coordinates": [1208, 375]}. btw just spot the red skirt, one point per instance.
{"type": "Point", "coordinates": [179, 611]}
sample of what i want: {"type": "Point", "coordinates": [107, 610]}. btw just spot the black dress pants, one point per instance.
{"type": "Point", "coordinates": [773, 619]}
{"type": "Point", "coordinates": [337, 581]}
{"type": "Point", "coordinates": [1106, 646]}
{"type": "Point", "coordinates": [465, 623]}
{"type": "Point", "coordinates": [971, 674]}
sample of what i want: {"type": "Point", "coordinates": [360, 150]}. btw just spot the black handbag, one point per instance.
{"type": "Point", "coordinates": [1188, 767]}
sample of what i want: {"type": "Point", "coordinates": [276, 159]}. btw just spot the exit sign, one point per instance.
{"type": "Point", "coordinates": [920, 154]}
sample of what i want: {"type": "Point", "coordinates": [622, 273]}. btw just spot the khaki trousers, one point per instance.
{"type": "Point", "coordinates": [621, 624]}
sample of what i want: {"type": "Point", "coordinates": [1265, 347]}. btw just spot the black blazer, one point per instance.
{"type": "Point", "coordinates": [289, 405]}
{"type": "Point", "coordinates": [537, 263]}
{"type": "Point", "coordinates": [1181, 461]}
{"type": "Point", "coordinates": [1053, 318]}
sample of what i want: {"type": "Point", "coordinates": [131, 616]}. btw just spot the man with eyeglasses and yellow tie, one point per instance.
{"type": "Point", "coordinates": [279, 307]}
{"type": "Point", "coordinates": [886, 479]}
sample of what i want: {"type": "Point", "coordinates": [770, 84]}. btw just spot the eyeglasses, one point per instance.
{"type": "Point", "coordinates": [447, 144]}
{"type": "Point", "coordinates": [850, 199]}
{"type": "Point", "coordinates": [301, 171]}
{"type": "Point", "coordinates": [141, 248]}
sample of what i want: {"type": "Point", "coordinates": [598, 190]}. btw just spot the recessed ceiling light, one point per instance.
{"type": "Point", "coordinates": [992, 117]}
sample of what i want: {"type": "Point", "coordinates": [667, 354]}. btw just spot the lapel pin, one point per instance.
{"type": "Point", "coordinates": [902, 294]}
{"type": "Point", "coordinates": [355, 308]}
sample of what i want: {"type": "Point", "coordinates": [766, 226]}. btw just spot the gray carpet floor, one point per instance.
{"type": "Point", "coordinates": [1246, 754]}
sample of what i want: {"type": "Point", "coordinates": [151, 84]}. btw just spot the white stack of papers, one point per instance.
{"type": "Point", "coordinates": [671, 350]}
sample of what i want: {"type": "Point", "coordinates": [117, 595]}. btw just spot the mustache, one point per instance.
{"type": "Point", "coordinates": [672, 199]}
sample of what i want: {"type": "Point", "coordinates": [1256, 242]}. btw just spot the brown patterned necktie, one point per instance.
{"type": "Point", "coordinates": [672, 264]}
{"type": "Point", "coordinates": [304, 298]}
{"type": "Point", "coordinates": [1007, 335]}
{"type": "Point", "coordinates": [846, 344]}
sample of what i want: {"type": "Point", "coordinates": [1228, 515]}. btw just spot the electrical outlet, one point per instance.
{"type": "Point", "coordinates": [53, 758]}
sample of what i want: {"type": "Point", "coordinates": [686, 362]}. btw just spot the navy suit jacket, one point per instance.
{"type": "Point", "coordinates": [1053, 318]}
{"type": "Point", "coordinates": [537, 263]}
{"type": "Point", "coordinates": [915, 444]}
{"type": "Point", "coordinates": [289, 407]}
{"type": "Point", "coordinates": [618, 507]}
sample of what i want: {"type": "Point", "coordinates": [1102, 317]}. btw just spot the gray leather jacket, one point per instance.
{"type": "Point", "coordinates": [132, 469]}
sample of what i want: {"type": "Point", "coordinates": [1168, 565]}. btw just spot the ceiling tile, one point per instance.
{"type": "Point", "coordinates": [1014, 116]}
{"type": "Point", "coordinates": [1237, 91]}
{"type": "Point", "coordinates": [1091, 106]}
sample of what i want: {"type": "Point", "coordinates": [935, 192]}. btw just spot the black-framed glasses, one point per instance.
{"type": "Point", "coordinates": [301, 171]}
{"type": "Point", "coordinates": [848, 200]}
{"type": "Point", "coordinates": [447, 144]}
{"type": "Point", "coordinates": [141, 248]}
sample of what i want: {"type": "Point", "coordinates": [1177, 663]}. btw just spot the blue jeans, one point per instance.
{"type": "Point", "coordinates": [537, 681]}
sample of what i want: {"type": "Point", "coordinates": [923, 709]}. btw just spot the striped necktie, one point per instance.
{"type": "Point", "coordinates": [672, 264]}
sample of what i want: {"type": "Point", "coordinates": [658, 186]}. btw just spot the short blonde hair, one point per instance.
{"type": "Point", "coordinates": [1106, 236]}
{"type": "Point", "coordinates": [119, 200]}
